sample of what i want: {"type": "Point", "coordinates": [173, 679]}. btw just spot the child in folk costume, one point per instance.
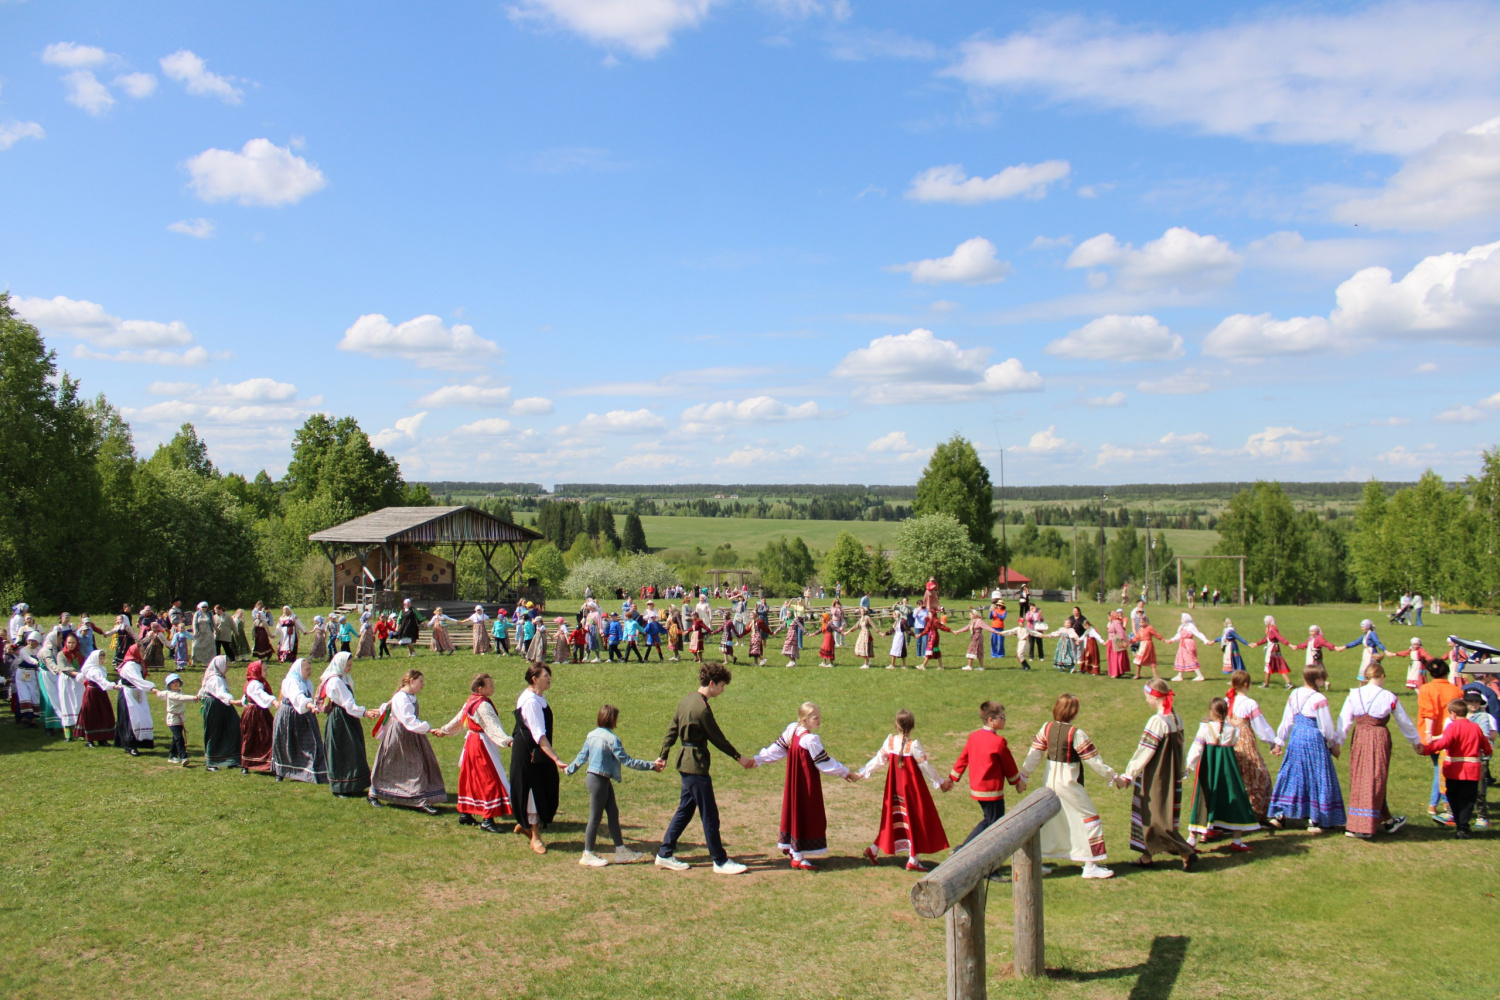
{"type": "Point", "coordinates": [483, 788]}
{"type": "Point", "coordinates": [257, 721]}
{"type": "Point", "coordinates": [804, 825]}
{"type": "Point", "coordinates": [1065, 653]}
{"type": "Point", "coordinates": [1230, 640]}
{"type": "Point", "coordinates": [406, 771]}
{"type": "Point", "coordinates": [480, 639]}
{"type": "Point", "coordinates": [1156, 771]}
{"type": "Point", "coordinates": [1187, 638]}
{"type": "Point", "coordinates": [932, 634]}
{"type": "Point", "coordinates": [1076, 832]}
{"type": "Point", "coordinates": [900, 633]}
{"type": "Point", "coordinates": [1275, 662]}
{"type": "Point", "coordinates": [977, 629]}
{"type": "Point", "coordinates": [697, 629]}
{"type": "Point", "coordinates": [1219, 798]}
{"type": "Point", "coordinates": [1481, 716]}
{"type": "Point", "coordinates": [535, 635]}
{"type": "Point", "coordinates": [652, 631]}
{"type": "Point", "coordinates": [1416, 672]}
{"type": "Point", "coordinates": [909, 823]}
{"type": "Point", "coordinates": [1117, 646]}
{"type": "Point", "coordinates": [1307, 786]}
{"type": "Point", "coordinates": [793, 644]}
{"type": "Point", "coordinates": [1369, 644]}
{"type": "Point", "coordinates": [864, 642]}
{"type": "Point", "coordinates": [346, 635]}
{"type": "Point", "coordinates": [181, 645]}
{"type": "Point", "coordinates": [366, 648]}
{"type": "Point", "coordinates": [988, 759]}
{"type": "Point", "coordinates": [385, 627]}
{"type": "Point", "coordinates": [177, 704]}
{"type": "Point", "coordinates": [603, 753]}
{"type": "Point", "coordinates": [319, 639]}
{"type": "Point", "coordinates": [562, 642]}
{"type": "Point", "coordinates": [674, 638]}
{"type": "Point", "coordinates": [1091, 645]}
{"type": "Point", "coordinates": [25, 685]}
{"type": "Point", "coordinates": [1145, 637]}
{"type": "Point", "coordinates": [290, 629]}
{"type": "Point", "coordinates": [438, 639]}
{"type": "Point", "coordinates": [1362, 722]}
{"type": "Point", "coordinates": [758, 640]}
{"type": "Point", "coordinates": [1245, 715]}
{"type": "Point", "coordinates": [830, 632]}
{"type": "Point", "coordinates": [123, 638]}
{"type": "Point", "coordinates": [728, 631]}
{"type": "Point", "coordinates": [1315, 645]}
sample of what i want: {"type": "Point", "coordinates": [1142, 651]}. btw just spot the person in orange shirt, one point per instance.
{"type": "Point", "coordinates": [1432, 716]}
{"type": "Point", "coordinates": [1146, 655]}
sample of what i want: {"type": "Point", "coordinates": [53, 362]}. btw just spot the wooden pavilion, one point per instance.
{"type": "Point", "coordinates": [388, 552]}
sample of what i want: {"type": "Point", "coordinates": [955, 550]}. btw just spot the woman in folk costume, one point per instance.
{"type": "Point", "coordinates": [1090, 648]}
{"type": "Point", "coordinates": [1275, 662]}
{"type": "Point", "coordinates": [830, 633]}
{"type": "Point", "coordinates": [1145, 655]}
{"type": "Point", "coordinates": [1307, 786]}
{"type": "Point", "coordinates": [1315, 645]}
{"type": "Point", "coordinates": [697, 631]}
{"type": "Point", "coordinates": [289, 630]}
{"type": "Point", "coordinates": [1245, 715]}
{"type": "Point", "coordinates": [533, 763]}
{"type": "Point", "coordinates": [25, 683]}
{"type": "Point", "coordinates": [203, 634]}
{"type": "Point", "coordinates": [133, 726]}
{"type": "Point", "coordinates": [241, 641]}
{"type": "Point", "coordinates": [260, 628]}
{"type": "Point", "coordinates": [408, 627]}
{"type": "Point", "coordinates": [757, 643]}
{"type": "Point", "coordinates": [932, 637]}
{"type": "Point", "coordinates": [366, 648]}
{"type": "Point", "coordinates": [1156, 770]}
{"type": "Point", "coordinates": [1219, 798]}
{"type": "Point", "coordinates": [1187, 638]}
{"type": "Point", "coordinates": [900, 633]}
{"type": "Point", "coordinates": [909, 822]}
{"type": "Point", "coordinates": [296, 745]}
{"type": "Point", "coordinates": [343, 734]}
{"type": "Point", "coordinates": [1230, 640]}
{"type": "Point", "coordinates": [1117, 645]}
{"type": "Point", "coordinates": [96, 719]}
{"type": "Point", "coordinates": [1076, 832]}
{"type": "Point", "coordinates": [1369, 643]}
{"type": "Point", "coordinates": [481, 638]}
{"type": "Point", "coordinates": [483, 790]}
{"type": "Point", "coordinates": [221, 723]}
{"type": "Point", "coordinates": [153, 646]}
{"type": "Point", "coordinates": [562, 642]}
{"type": "Point", "coordinates": [536, 640]}
{"type": "Point", "coordinates": [1416, 671]}
{"type": "Point", "coordinates": [864, 642]}
{"type": "Point", "coordinates": [406, 771]}
{"type": "Point", "coordinates": [319, 650]}
{"type": "Point", "coordinates": [793, 644]}
{"type": "Point", "coordinates": [62, 691]}
{"type": "Point", "coordinates": [123, 638]}
{"type": "Point", "coordinates": [804, 824]}
{"type": "Point", "coordinates": [1363, 722]}
{"type": "Point", "coordinates": [728, 633]}
{"type": "Point", "coordinates": [438, 639]}
{"type": "Point", "coordinates": [257, 721]}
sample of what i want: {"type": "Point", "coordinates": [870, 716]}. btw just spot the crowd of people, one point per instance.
{"type": "Point", "coordinates": [59, 681]}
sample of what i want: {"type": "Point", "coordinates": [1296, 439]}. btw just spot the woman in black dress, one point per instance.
{"type": "Point", "coordinates": [533, 763]}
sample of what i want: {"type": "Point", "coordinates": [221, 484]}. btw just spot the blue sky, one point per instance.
{"type": "Point", "coordinates": [789, 240]}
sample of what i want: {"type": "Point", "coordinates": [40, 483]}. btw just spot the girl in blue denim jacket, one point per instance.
{"type": "Point", "coordinates": [603, 753]}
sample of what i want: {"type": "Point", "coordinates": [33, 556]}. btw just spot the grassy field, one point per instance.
{"type": "Point", "coordinates": [130, 878]}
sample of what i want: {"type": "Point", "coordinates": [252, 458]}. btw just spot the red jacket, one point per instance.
{"type": "Point", "coordinates": [1465, 743]}
{"type": "Point", "coordinates": [989, 756]}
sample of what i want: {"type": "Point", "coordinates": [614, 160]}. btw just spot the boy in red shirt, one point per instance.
{"type": "Point", "coordinates": [1466, 745]}
{"type": "Point", "coordinates": [988, 760]}
{"type": "Point", "coordinates": [383, 629]}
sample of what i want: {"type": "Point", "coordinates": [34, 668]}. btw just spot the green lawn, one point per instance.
{"type": "Point", "coordinates": [129, 878]}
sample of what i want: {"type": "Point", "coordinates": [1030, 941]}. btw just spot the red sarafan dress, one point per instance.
{"type": "Point", "coordinates": [257, 722]}
{"type": "Point", "coordinates": [483, 790]}
{"type": "Point", "coordinates": [826, 650]}
{"type": "Point", "coordinates": [909, 822]}
{"type": "Point", "coordinates": [804, 824]}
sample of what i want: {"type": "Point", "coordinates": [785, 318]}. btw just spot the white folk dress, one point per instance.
{"type": "Point", "coordinates": [1077, 831]}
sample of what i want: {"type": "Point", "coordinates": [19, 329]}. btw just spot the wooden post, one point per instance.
{"type": "Point", "coordinates": [1026, 877]}
{"type": "Point", "coordinates": [1179, 581]}
{"type": "Point", "coordinates": [1242, 580]}
{"type": "Point", "coordinates": [966, 976]}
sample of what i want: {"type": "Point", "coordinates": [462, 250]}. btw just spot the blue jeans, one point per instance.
{"type": "Point", "coordinates": [997, 646]}
{"type": "Point", "coordinates": [1438, 800]}
{"type": "Point", "coordinates": [922, 645]}
{"type": "Point", "coordinates": [1418, 621]}
{"type": "Point", "coordinates": [697, 796]}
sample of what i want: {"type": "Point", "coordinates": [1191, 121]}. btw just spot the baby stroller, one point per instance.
{"type": "Point", "coordinates": [1402, 616]}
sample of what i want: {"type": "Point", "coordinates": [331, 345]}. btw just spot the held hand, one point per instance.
{"type": "Point", "coordinates": [1020, 784]}
{"type": "Point", "coordinates": [747, 762]}
{"type": "Point", "coordinates": [659, 766]}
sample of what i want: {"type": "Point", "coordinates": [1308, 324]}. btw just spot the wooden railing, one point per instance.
{"type": "Point", "coordinates": [959, 886]}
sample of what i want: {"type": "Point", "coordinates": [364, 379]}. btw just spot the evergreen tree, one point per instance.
{"type": "Point", "coordinates": [634, 539]}
{"type": "Point", "coordinates": [955, 482]}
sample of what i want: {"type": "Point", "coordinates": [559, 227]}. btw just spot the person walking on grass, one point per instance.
{"type": "Point", "coordinates": [483, 789]}
{"type": "Point", "coordinates": [990, 764]}
{"type": "Point", "coordinates": [1466, 746]}
{"type": "Point", "coordinates": [1220, 801]}
{"type": "Point", "coordinates": [603, 753]}
{"type": "Point", "coordinates": [1432, 717]}
{"type": "Point", "coordinates": [694, 726]}
{"type": "Point", "coordinates": [1307, 786]}
{"type": "Point", "coordinates": [408, 627]}
{"type": "Point", "coordinates": [1156, 772]}
{"type": "Point", "coordinates": [406, 771]}
{"type": "Point", "coordinates": [1363, 723]}
{"type": "Point", "coordinates": [533, 762]}
{"type": "Point", "coordinates": [909, 821]}
{"type": "Point", "coordinates": [1076, 833]}
{"type": "Point", "coordinates": [804, 823]}
{"type": "Point", "coordinates": [1145, 638]}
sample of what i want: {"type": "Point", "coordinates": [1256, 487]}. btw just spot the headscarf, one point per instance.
{"type": "Point", "coordinates": [1187, 619]}
{"type": "Point", "coordinates": [256, 671]}
{"type": "Point", "coordinates": [1367, 624]}
{"type": "Point", "coordinates": [337, 667]}
{"type": "Point", "coordinates": [133, 655]}
{"type": "Point", "coordinates": [1164, 694]}
{"type": "Point", "coordinates": [216, 667]}
{"type": "Point", "coordinates": [295, 681]}
{"type": "Point", "coordinates": [1314, 630]}
{"type": "Point", "coordinates": [92, 671]}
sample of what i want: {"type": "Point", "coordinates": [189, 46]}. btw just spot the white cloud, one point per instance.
{"type": "Point", "coordinates": [1491, 402]}
{"type": "Point", "coordinates": [193, 357]}
{"type": "Point", "coordinates": [1427, 367]}
{"type": "Point", "coordinates": [1253, 337]}
{"type": "Point", "coordinates": [489, 425]}
{"type": "Point", "coordinates": [1454, 179]}
{"type": "Point", "coordinates": [262, 173]}
{"type": "Point", "coordinates": [617, 422]}
{"type": "Point", "coordinates": [86, 92]}
{"type": "Point", "coordinates": [1119, 338]}
{"type": "Point", "coordinates": [756, 455]}
{"type": "Point", "coordinates": [404, 432]}
{"type": "Point", "coordinates": [12, 132]}
{"type": "Point", "coordinates": [200, 229]}
{"type": "Point", "coordinates": [1389, 77]}
{"type": "Point", "coordinates": [972, 263]}
{"type": "Point", "coordinates": [479, 394]}
{"type": "Point", "coordinates": [87, 321]}
{"type": "Point", "coordinates": [1051, 242]}
{"type": "Point", "coordinates": [1116, 398]}
{"type": "Point", "coordinates": [255, 402]}
{"type": "Point", "coordinates": [1287, 250]}
{"type": "Point", "coordinates": [1288, 444]}
{"type": "Point", "coordinates": [643, 27]}
{"type": "Point", "coordinates": [251, 390]}
{"type": "Point", "coordinates": [531, 406]}
{"type": "Point", "coordinates": [894, 441]}
{"type": "Point", "coordinates": [424, 341]}
{"type": "Point", "coordinates": [1454, 295]}
{"type": "Point", "coordinates": [1180, 259]}
{"type": "Point", "coordinates": [1464, 414]}
{"type": "Point", "coordinates": [1188, 382]}
{"type": "Point", "coordinates": [191, 71]}
{"type": "Point", "coordinates": [1428, 455]}
{"type": "Point", "coordinates": [71, 55]}
{"type": "Point", "coordinates": [755, 410]}
{"type": "Point", "coordinates": [1047, 442]}
{"type": "Point", "coordinates": [917, 367]}
{"type": "Point", "coordinates": [1170, 448]}
{"type": "Point", "coordinates": [137, 85]}
{"type": "Point", "coordinates": [950, 184]}
{"type": "Point", "coordinates": [861, 45]}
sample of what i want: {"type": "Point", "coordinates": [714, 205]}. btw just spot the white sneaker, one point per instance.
{"type": "Point", "coordinates": [967, 667]}
{"type": "Point", "coordinates": [592, 860]}
{"type": "Point", "coordinates": [1091, 870]}
{"type": "Point", "coordinates": [625, 856]}
{"type": "Point", "coordinates": [730, 867]}
{"type": "Point", "coordinates": [672, 864]}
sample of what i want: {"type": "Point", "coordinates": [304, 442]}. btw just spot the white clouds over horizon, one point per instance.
{"type": "Point", "coordinates": [918, 367]}
{"type": "Point", "coordinates": [107, 337]}
{"type": "Point", "coordinates": [425, 341]}
{"type": "Point", "coordinates": [1119, 338]}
